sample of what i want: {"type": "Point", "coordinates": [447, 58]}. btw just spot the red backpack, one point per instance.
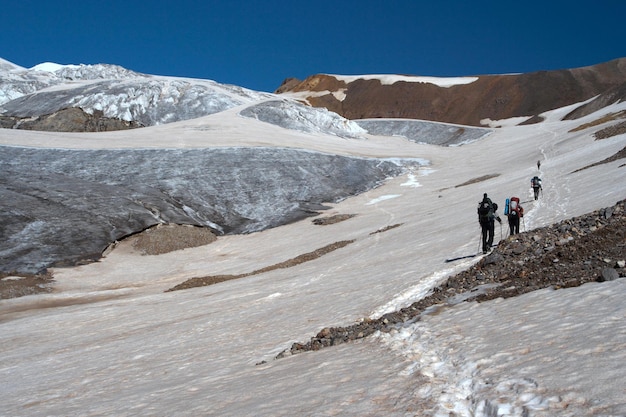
{"type": "Point", "coordinates": [515, 208]}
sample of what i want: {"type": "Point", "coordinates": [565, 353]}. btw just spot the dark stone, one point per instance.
{"type": "Point", "coordinates": [493, 258]}
{"type": "Point", "coordinates": [608, 274]}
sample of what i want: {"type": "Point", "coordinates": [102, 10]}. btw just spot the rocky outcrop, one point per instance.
{"type": "Point", "coordinates": [71, 119]}
{"type": "Point", "coordinates": [610, 96]}
{"type": "Point", "coordinates": [494, 97]}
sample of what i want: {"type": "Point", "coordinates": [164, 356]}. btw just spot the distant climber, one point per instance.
{"type": "Point", "coordinates": [539, 164]}
{"type": "Point", "coordinates": [535, 183]}
{"type": "Point", "coordinates": [486, 218]}
{"type": "Point", "coordinates": [514, 211]}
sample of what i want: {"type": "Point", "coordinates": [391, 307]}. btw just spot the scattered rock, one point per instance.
{"type": "Point", "coordinates": [608, 274]}
{"type": "Point", "coordinates": [324, 221]}
{"type": "Point", "coordinates": [386, 228]}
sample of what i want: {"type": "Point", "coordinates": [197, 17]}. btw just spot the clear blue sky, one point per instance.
{"type": "Point", "coordinates": [257, 44]}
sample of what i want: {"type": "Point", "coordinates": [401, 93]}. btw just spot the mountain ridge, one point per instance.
{"type": "Point", "coordinates": [489, 97]}
{"type": "Point", "coordinates": [117, 98]}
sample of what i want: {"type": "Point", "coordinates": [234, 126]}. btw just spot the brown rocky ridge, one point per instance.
{"type": "Point", "coordinates": [494, 97]}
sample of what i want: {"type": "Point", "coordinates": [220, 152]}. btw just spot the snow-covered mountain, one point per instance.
{"type": "Point", "coordinates": [154, 185]}
{"type": "Point", "coordinates": [116, 92]}
{"type": "Point", "coordinates": [110, 92]}
{"type": "Point", "coordinates": [106, 339]}
{"type": "Point", "coordinates": [229, 190]}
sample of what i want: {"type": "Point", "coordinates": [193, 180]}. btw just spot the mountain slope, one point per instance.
{"type": "Point", "coordinates": [111, 97]}
{"type": "Point", "coordinates": [114, 92]}
{"type": "Point", "coordinates": [472, 101]}
{"type": "Point", "coordinates": [107, 339]}
{"type": "Point", "coordinates": [116, 193]}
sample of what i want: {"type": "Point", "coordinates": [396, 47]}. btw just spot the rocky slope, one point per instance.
{"type": "Point", "coordinates": [589, 248]}
{"type": "Point", "coordinates": [71, 119]}
{"type": "Point", "coordinates": [493, 97]}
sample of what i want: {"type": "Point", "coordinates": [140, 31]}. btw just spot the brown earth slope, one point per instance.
{"type": "Point", "coordinates": [492, 97]}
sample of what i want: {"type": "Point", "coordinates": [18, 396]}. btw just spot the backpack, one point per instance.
{"type": "Point", "coordinates": [514, 207]}
{"type": "Point", "coordinates": [485, 209]}
{"type": "Point", "coordinates": [535, 182]}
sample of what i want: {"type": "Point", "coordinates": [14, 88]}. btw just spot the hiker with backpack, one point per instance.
{"type": "Point", "coordinates": [535, 183]}
{"type": "Point", "coordinates": [486, 218]}
{"type": "Point", "coordinates": [514, 211]}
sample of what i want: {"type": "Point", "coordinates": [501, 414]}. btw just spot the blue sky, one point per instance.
{"type": "Point", "coordinates": [257, 44]}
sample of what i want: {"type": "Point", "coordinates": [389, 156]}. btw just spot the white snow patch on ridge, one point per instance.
{"type": "Point", "coordinates": [388, 79]}
{"type": "Point", "coordinates": [51, 67]}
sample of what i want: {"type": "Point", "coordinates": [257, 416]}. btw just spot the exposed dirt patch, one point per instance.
{"type": "Point", "coordinates": [619, 155]}
{"type": "Point", "coordinates": [474, 181]}
{"type": "Point", "coordinates": [610, 131]}
{"type": "Point", "coordinates": [324, 221]}
{"type": "Point", "coordinates": [71, 119]}
{"type": "Point", "coordinates": [384, 229]}
{"type": "Point", "coordinates": [607, 118]}
{"type": "Point", "coordinates": [214, 279]}
{"type": "Point", "coordinates": [13, 286]}
{"type": "Point", "coordinates": [478, 179]}
{"type": "Point", "coordinates": [154, 241]}
{"type": "Point", "coordinates": [607, 132]}
{"type": "Point", "coordinates": [164, 238]}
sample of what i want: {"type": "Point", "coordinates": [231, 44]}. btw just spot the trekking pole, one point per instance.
{"type": "Point", "coordinates": [524, 224]}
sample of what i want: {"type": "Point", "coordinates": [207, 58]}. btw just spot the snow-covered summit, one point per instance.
{"type": "Point", "coordinates": [115, 91]}
{"type": "Point", "coordinates": [86, 72]}
{"type": "Point", "coordinates": [49, 67]}
{"type": "Point", "coordinates": [119, 93]}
